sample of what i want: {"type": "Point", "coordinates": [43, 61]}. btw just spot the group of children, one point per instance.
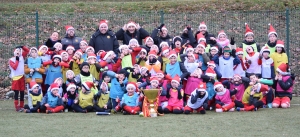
{"type": "Point", "coordinates": [191, 77]}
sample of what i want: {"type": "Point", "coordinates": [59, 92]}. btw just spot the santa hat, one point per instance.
{"type": "Point", "coordinates": [248, 30]}
{"type": "Point", "coordinates": [89, 48]}
{"type": "Point", "coordinates": [200, 37]}
{"type": "Point", "coordinates": [160, 72]}
{"type": "Point", "coordinates": [79, 52]}
{"type": "Point", "coordinates": [279, 44]}
{"type": "Point", "coordinates": [154, 79]}
{"type": "Point", "coordinates": [226, 49]}
{"type": "Point", "coordinates": [195, 56]}
{"type": "Point", "coordinates": [133, 41]}
{"type": "Point", "coordinates": [56, 56]}
{"type": "Point", "coordinates": [103, 22]}
{"type": "Point", "coordinates": [43, 46]}
{"type": "Point", "coordinates": [164, 28]}
{"type": "Point", "coordinates": [56, 80]}
{"type": "Point", "coordinates": [147, 39]}
{"type": "Point", "coordinates": [33, 48]}
{"type": "Point", "coordinates": [237, 75]}
{"type": "Point", "coordinates": [165, 50]}
{"type": "Point", "coordinates": [131, 85]}
{"type": "Point", "coordinates": [105, 85]}
{"type": "Point", "coordinates": [106, 54]}
{"type": "Point", "coordinates": [70, 71]}
{"type": "Point", "coordinates": [91, 55]}
{"type": "Point", "coordinates": [214, 48]}
{"type": "Point", "coordinates": [54, 86]}
{"type": "Point", "coordinates": [163, 43]}
{"type": "Point", "coordinates": [63, 52]}
{"type": "Point", "coordinates": [211, 63]}
{"type": "Point", "coordinates": [176, 79]}
{"type": "Point", "coordinates": [272, 30]}
{"type": "Point", "coordinates": [71, 85]}
{"type": "Point", "coordinates": [282, 68]}
{"type": "Point", "coordinates": [122, 46]}
{"type": "Point", "coordinates": [152, 53]}
{"type": "Point", "coordinates": [144, 50]}
{"type": "Point", "coordinates": [265, 49]}
{"type": "Point", "coordinates": [131, 23]}
{"type": "Point", "coordinates": [217, 84]}
{"type": "Point", "coordinates": [239, 51]}
{"type": "Point", "coordinates": [88, 85]}
{"type": "Point", "coordinates": [68, 27]}
{"type": "Point", "coordinates": [33, 85]}
{"type": "Point", "coordinates": [189, 48]}
{"type": "Point", "coordinates": [177, 38]}
{"type": "Point", "coordinates": [202, 44]}
{"type": "Point", "coordinates": [221, 33]}
{"type": "Point", "coordinates": [202, 24]}
{"type": "Point", "coordinates": [202, 87]}
{"type": "Point", "coordinates": [57, 44]}
{"type": "Point", "coordinates": [83, 42]}
{"type": "Point", "coordinates": [262, 87]}
{"type": "Point", "coordinates": [172, 53]}
{"type": "Point", "coordinates": [210, 72]}
{"type": "Point", "coordinates": [70, 47]}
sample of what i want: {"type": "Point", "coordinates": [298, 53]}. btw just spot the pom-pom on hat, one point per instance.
{"type": "Point", "coordinates": [32, 85]}
{"type": "Point", "coordinates": [248, 30]}
{"type": "Point", "coordinates": [271, 30]}
{"type": "Point", "coordinates": [217, 84]}
{"type": "Point", "coordinates": [201, 87]}
{"type": "Point", "coordinates": [280, 43]}
{"type": "Point", "coordinates": [71, 85]}
{"type": "Point", "coordinates": [176, 79]}
{"type": "Point", "coordinates": [131, 85]}
{"type": "Point", "coordinates": [88, 85]}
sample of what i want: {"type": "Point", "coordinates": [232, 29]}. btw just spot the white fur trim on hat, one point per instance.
{"type": "Point", "coordinates": [131, 24]}
{"type": "Point", "coordinates": [154, 81]}
{"type": "Point", "coordinates": [211, 74]}
{"type": "Point", "coordinates": [222, 33]}
{"type": "Point", "coordinates": [34, 86]}
{"type": "Point", "coordinates": [91, 57]}
{"type": "Point", "coordinates": [70, 47]}
{"type": "Point", "coordinates": [71, 86]}
{"type": "Point", "coordinates": [33, 48]}
{"type": "Point", "coordinates": [172, 55]}
{"type": "Point", "coordinates": [122, 46]}
{"type": "Point", "coordinates": [249, 33]}
{"type": "Point", "coordinates": [162, 43]}
{"type": "Point", "coordinates": [279, 45]}
{"type": "Point", "coordinates": [57, 44]}
{"type": "Point", "coordinates": [84, 42]}
{"type": "Point", "coordinates": [88, 48]}
{"type": "Point", "coordinates": [70, 71]}
{"type": "Point", "coordinates": [203, 46]}
{"type": "Point", "coordinates": [108, 54]}
{"type": "Point", "coordinates": [240, 52]}
{"type": "Point", "coordinates": [218, 85]}
{"type": "Point", "coordinates": [57, 56]}
{"type": "Point", "coordinates": [130, 85]}
{"type": "Point", "coordinates": [202, 25]}
{"type": "Point", "coordinates": [215, 48]}
{"type": "Point", "coordinates": [165, 51]}
{"type": "Point", "coordinates": [144, 50]}
{"type": "Point", "coordinates": [43, 46]}
{"type": "Point", "coordinates": [175, 81]}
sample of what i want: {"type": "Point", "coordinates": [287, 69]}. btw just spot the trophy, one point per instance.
{"type": "Point", "coordinates": [151, 95]}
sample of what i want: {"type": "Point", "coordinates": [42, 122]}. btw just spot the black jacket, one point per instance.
{"type": "Point", "coordinates": [106, 42]}
{"type": "Point", "coordinates": [207, 37]}
{"type": "Point", "coordinates": [158, 39]}
{"type": "Point", "coordinates": [188, 37]}
{"type": "Point", "coordinates": [74, 41]}
{"type": "Point", "coordinates": [126, 36]}
{"type": "Point", "coordinates": [49, 43]}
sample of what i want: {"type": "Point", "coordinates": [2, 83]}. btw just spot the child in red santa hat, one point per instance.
{"type": "Point", "coordinates": [52, 101]}
{"type": "Point", "coordinates": [175, 97]}
{"type": "Point", "coordinates": [131, 100]}
{"type": "Point", "coordinates": [240, 68]}
{"type": "Point", "coordinates": [198, 100]}
{"type": "Point", "coordinates": [152, 64]}
{"type": "Point", "coordinates": [70, 50]}
{"type": "Point", "coordinates": [84, 102]}
{"type": "Point", "coordinates": [76, 61]}
{"type": "Point", "coordinates": [224, 102]}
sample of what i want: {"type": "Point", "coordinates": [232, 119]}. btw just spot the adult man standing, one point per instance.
{"type": "Point", "coordinates": [70, 38]}
{"type": "Point", "coordinates": [104, 39]}
{"type": "Point", "coordinates": [132, 30]}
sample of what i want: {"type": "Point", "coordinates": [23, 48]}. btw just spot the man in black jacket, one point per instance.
{"type": "Point", "coordinates": [160, 34]}
{"type": "Point", "coordinates": [104, 39]}
{"type": "Point", "coordinates": [130, 31]}
{"type": "Point", "coordinates": [210, 38]}
{"type": "Point", "coordinates": [70, 38]}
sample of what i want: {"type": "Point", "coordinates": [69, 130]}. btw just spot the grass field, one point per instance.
{"type": "Point", "coordinates": [265, 122]}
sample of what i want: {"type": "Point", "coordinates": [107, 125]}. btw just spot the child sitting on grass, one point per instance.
{"type": "Point", "coordinates": [52, 102]}
{"type": "Point", "coordinates": [35, 97]}
{"type": "Point", "coordinates": [175, 96]}
{"type": "Point", "coordinates": [70, 96]}
{"type": "Point", "coordinates": [198, 100]}
{"type": "Point", "coordinates": [84, 102]}
{"type": "Point", "coordinates": [223, 98]}
{"type": "Point", "coordinates": [130, 100]}
{"type": "Point", "coordinates": [102, 103]}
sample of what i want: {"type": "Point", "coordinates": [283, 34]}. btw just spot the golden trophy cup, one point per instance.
{"type": "Point", "coordinates": [151, 95]}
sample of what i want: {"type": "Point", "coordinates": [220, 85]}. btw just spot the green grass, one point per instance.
{"type": "Point", "coordinates": [265, 122]}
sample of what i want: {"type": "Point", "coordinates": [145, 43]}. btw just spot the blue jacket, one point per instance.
{"type": "Point", "coordinates": [52, 100]}
{"type": "Point", "coordinates": [116, 89]}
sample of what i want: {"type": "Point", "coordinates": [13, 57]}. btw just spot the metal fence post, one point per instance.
{"type": "Point", "coordinates": [287, 13]}
{"type": "Point", "coordinates": [161, 16]}
{"type": "Point", "coordinates": [36, 29]}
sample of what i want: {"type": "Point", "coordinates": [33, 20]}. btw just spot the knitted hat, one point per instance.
{"type": "Point", "coordinates": [214, 48]}
{"type": "Point", "coordinates": [200, 37]}
{"type": "Point", "coordinates": [176, 79]}
{"type": "Point", "coordinates": [163, 43]}
{"type": "Point", "coordinates": [70, 71]}
{"type": "Point", "coordinates": [91, 55]}
{"type": "Point", "coordinates": [271, 30]}
{"type": "Point", "coordinates": [265, 49]}
{"type": "Point", "coordinates": [122, 46]}
{"type": "Point", "coordinates": [248, 30]}
{"type": "Point", "coordinates": [147, 39]}
{"type": "Point", "coordinates": [84, 64]}
{"type": "Point", "coordinates": [131, 23]}
{"type": "Point", "coordinates": [88, 85]}
{"type": "Point", "coordinates": [90, 48]}
{"type": "Point", "coordinates": [221, 33]}
{"type": "Point", "coordinates": [226, 49]}
{"type": "Point", "coordinates": [154, 79]}
{"type": "Point", "coordinates": [68, 27]}
{"type": "Point", "coordinates": [177, 38]}
{"type": "Point", "coordinates": [103, 23]}
{"type": "Point", "coordinates": [131, 85]}
{"type": "Point", "coordinates": [211, 63]}
{"type": "Point", "coordinates": [132, 41]}
{"type": "Point", "coordinates": [32, 85]}
{"type": "Point", "coordinates": [202, 87]}
{"type": "Point", "coordinates": [152, 53]}
{"type": "Point", "coordinates": [172, 53]}
{"type": "Point", "coordinates": [202, 24]}
{"type": "Point", "coordinates": [202, 44]}
{"type": "Point", "coordinates": [282, 68]}
{"type": "Point", "coordinates": [239, 51]}
{"type": "Point", "coordinates": [165, 50]}
{"type": "Point", "coordinates": [56, 80]}
{"type": "Point", "coordinates": [79, 51]}
{"type": "Point", "coordinates": [279, 44]}
{"type": "Point", "coordinates": [70, 47]}
{"type": "Point", "coordinates": [43, 46]}
{"type": "Point", "coordinates": [57, 56]}
{"type": "Point", "coordinates": [71, 85]}
{"type": "Point", "coordinates": [210, 72]}
{"type": "Point", "coordinates": [217, 84]}
{"type": "Point", "coordinates": [54, 86]}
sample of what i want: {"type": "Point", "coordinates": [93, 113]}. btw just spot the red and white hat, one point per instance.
{"type": "Point", "coordinates": [79, 51]}
{"type": "Point", "coordinates": [165, 50]}
{"type": "Point", "coordinates": [57, 44]}
{"type": "Point", "coordinates": [195, 56]}
{"type": "Point", "coordinates": [248, 30]}
{"type": "Point", "coordinates": [103, 23]}
{"type": "Point", "coordinates": [176, 79]}
{"type": "Point", "coordinates": [70, 47]}
{"type": "Point", "coordinates": [122, 46]}
{"type": "Point", "coordinates": [91, 55]}
{"type": "Point", "coordinates": [164, 43]}
{"type": "Point", "coordinates": [214, 48]}
{"type": "Point", "coordinates": [282, 68]}
{"type": "Point", "coordinates": [133, 41]}
{"type": "Point", "coordinates": [202, 44]}
{"type": "Point", "coordinates": [172, 53]}
{"type": "Point", "coordinates": [90, 48]}
{"type": "Point", "coordinates": [164, 28]}
{"type": "Point", "coordinates": [202, 24]}
{"type": "Point", "coordinates": [210, 72]}
{"type": "Point", "coordinates": [105, 85]}
{"type": "Point", "coordinates": [152, 53]}
{"type": "Point", "coordinates": [264, 49]}
{"type": "Point", "coordinates": [43, 46]}
{"type": "Point", "coordinates": [189, 48]}
{"type": "Point", "coordinates": [131, 23]}
{"type": "Point", "coordinates": [221, 33]}
{"type": "Point", "coordinates": [147, 39]}
{"type": "Point", "coordinates": [33, 48]}
{"type": "Point", "coordinates": [144, 50]}
{"type": "Point", "coordinates": [271, 30]}
{"type": "Point", "coordinates": [154, 79]}
{"type": "Point", "coordinates": [62, 52]}
{"type": "Point", "coordinates": [56, 80]}
{"type": "Point", "coordinates": [239, 51]}
{"type": "Point", "coordinates": [70, 71]}
{"type": "Point", "coordinates": [211, 63]}
{"type": "Point", "coordinates": [160, 72]}
{"type": "Point", "coordinates": [202, 87]}
{"type": "Point", "coordinates": [107, 54]}
{"type": "Point", "coordinates": [54, 86]}
{"type": "Point", "coordinates": [262, 87]}
{"type": "Point", "coordinates": [279, 44]}
{"type": "Point", "coordinates": [218, 84]}
{"type": "Point", "coordinates": [71, 85]}
{"type": "Point", "coordinates": [84, 42]}
{"type": "Point", "coordinates": [32, 85]}
{"type": "Point", "coordinates": [88, 85]}
{"type": "Point", "coordinates": [68, 27]}
{"type": "Point", "coordinates": [56, 56]}
{"type": "Point", "coordinates": [131, 85]}
{"type": "Point", "coordinates": [200, 37]}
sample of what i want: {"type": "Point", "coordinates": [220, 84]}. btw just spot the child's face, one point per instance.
{"type": "Point", "coordinates": [59, 82]}
{"type": "Point", "coordinates": [86, 68]}
{"type": "Point", "coordinates": [55, 91]}
{"type": "Point", "coordinates": [240, 55]}
{"type": "Point", "coordinates": [202, 30]}
{"type": "Point", "coordinates": [143, 55]}
{"type": "Point", "coordinates": [154, 84]}
{"type": "Point", "coordinates": [58, 47]}
{"type": "Point", "coordinates": [89, 51]}
{"type": "Point", "coordinates": [36, 89]}
{"type": "Point", "coordinates": [33, 53]}
{"type": "Point", "coordinates": [43, 50]}
{"type": "Point", "coordinates": [72, 90]}
{"type": "Point", "coordinates": [136, 69]}
{"type": "Point", "coordinates": [125, 51]}
{"type": "Point", "coordinates": [56, 60]}
{"type": "Point", "coordinates": [106, 79]}
{"type": "Point", "coordinates": [70, 51]}
{"type": "Point", "coordinates": [253, 78]}
{"type": "Point", "coordinates": [77, 55]}
{"type": "Point", "coordinates": [226, 54]}
{"type": "Point", "coordinates": [83, 89]}
{"type": "Point", "coordinates": [272, 38]}
{"type": "Point", "coordinates": [149, 43]}
{"type": "Point", "coordinates": [222, 37]}
{"type": "Point", "coordinates": [220, 89]}
{"type": "Point", "coordinates": [65, 57]}
{"type": "Point", "coordinates": [130, 91]}
{"type": "Point", "coordinates": [18, 52]}
{"type": "Point", "coordinates": [249, 38]}
{"type": "Point", "coordinates": [54, 36]}
{"type": "Point", "coordinates": [121, 76]}
{"type": "Point", "coordinates": [174, 84]}
{"type": "Point", "coordinates": [166, 54]}
{"type": "Point", "coordinates": [160, 76]}
{"type": "Point", "coordinates": [155, 48]}
{"type": "Point", "coordinates": [190, 58]}
{"type": "Point", "coordinates": [173, 60]}
{"type": "Point", "coordinates": [91, 60]}
{"type": "Point", "coordinates": [83, 46]}
{"type": "Point", "coordinates": [279, 49]}
{"type": "Point", "coordinates": [133, 44]}
{"type": "Point", "coordinates": [265, 54]}
{"type": "Point", "coordinates": [178, 44]}
{"type": "Point", "coordinates": [189, 50]}
{"type": "Point", "coordinates": [249, 49]}
{"type": "Point", "coordinates": [200, 49]}
{"type": "Point", "coordinates": [164, 45]}
{"type": "Point", "coordinates": [70, 75]}
{"type": "Point", "coordinates": [103, 87]}
{"type": "Point", "coordinates": [213, 52]}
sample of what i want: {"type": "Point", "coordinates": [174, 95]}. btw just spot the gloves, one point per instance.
{"type": "Point", "coordinates": [188, 27]}
{"type": "Point", "coordinates": [131, 69]}
{"type": "Point", "coordinates": [161, 25]}
{"type": "Point", "coordinates": [17, 58]}
{"type": "Point", "coordinates": [232, 41]}
{"type": "Point", "coordinates": [260, 56]}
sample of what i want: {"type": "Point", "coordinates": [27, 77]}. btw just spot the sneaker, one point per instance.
{"type": "Point", "coordinates": [231, 110]}
{"type": "Point", "coordinates": [269, 105]}
{"type": "Point", "coordinates": [49, 111]}
{"type": "Point", "coordinates": [265, 106]}
{"type": "Point", "coordinates": [239, 109]}
{"type": "Point", "coordinates": [255, 109]}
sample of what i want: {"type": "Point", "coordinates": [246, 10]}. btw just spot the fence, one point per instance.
{"type": "Point", "coordinates": [34, 29]}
